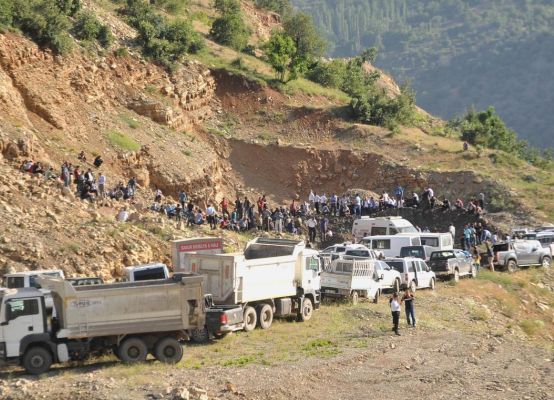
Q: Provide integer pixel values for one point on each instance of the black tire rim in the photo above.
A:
(37, 361)
(133, 352)
(169, 351)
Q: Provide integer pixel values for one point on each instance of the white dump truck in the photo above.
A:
(351, 279)
(272, 277)
(128, 319)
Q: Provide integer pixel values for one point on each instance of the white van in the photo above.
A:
(390, 245)
(367, 226)
(439, 241)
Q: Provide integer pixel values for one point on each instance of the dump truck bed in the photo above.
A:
(125, 308)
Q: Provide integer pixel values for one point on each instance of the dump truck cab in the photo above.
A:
(23, 321)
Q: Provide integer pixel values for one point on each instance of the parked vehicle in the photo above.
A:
(29, 279)
(146, 272)
(452, 264)
(423, 252)
(366, 226)
(390, 245)
(352, 279)
(85, 281)
(439, 241)
(272, 277)
(520, 253)
(334, 251)
(129, 319)
(546, 238)
(414, 273)
(388, 277)
(359, 251)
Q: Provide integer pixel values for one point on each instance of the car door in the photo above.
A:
(524, 253)
(464, 262)
(424, 277)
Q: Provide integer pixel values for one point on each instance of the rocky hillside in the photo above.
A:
(205, 127)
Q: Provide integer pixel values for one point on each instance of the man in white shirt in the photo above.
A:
(101, 185)
(395, 310)
(311, 224)
(311, 197)
(210, 213)
(317, 201)
(123, 215)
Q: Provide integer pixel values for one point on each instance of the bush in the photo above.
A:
(328, 74)
(6, 12)
(281, 7)
(87, 26)
(105, 36)
(230, 29)
(172, 6)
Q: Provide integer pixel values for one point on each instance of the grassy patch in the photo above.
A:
(310, 88)
(131, 122)
(499, 278)
(121, 140)
(531, 326)
(240, 361)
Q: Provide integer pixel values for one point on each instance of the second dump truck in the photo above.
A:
(272, 277)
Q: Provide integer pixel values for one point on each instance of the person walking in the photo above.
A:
(408, 300)
(490, 255)
(395, 311)
(210, 212)
(101, 185)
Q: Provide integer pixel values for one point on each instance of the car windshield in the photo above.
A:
(33, 278)
(416, 252)
(357, 253)
(442, 255)
(406, 229)
(396, 265)
(15, 282)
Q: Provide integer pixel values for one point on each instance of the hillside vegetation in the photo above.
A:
(457, 53)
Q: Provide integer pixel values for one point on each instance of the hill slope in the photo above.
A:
(456, 53)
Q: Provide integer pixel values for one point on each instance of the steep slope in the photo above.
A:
(456, 53)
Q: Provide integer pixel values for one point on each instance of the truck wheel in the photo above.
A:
(307, 310)
(265, 316)
(354, 297)
(37, 360)
(456, 276)
(413, 286)
(200, 335)
(396, 286)
(546, 261)
(168, 350)
(432, 284)
(250, 319)
(376, 298)
(511, 266)
(132, 350)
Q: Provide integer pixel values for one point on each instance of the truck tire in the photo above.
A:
(307, 310)
(413, 286)
(456, 276)
(168, 350)
(354, 297)
(265, 316)
(132, 350)
(396, 286)
(37, 360)
(250, 319)
(200, 335)
(511, 266)
(546, 262)
(432, 284)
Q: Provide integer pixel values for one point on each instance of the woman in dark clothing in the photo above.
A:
(408, 300)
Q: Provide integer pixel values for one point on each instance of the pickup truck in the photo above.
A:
(452, 264)
(350, 279)
(521, 253)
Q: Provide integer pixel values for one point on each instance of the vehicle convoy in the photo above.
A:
(352, 279)
(414, 273)
(128, 319)
(452, 264)
(520, 253)
(366, 226)
(390, 245)
(29, 279)
(272, 277)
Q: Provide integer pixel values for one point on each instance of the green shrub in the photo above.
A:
(87, 26)
(281, 7)
(328, 74)
(230, 29)
(172, 6)
(6, 12)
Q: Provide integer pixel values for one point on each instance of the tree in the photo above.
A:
(300, 27)
(280, 52)
(230, 29)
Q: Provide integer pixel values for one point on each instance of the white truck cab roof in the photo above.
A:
(37, 272)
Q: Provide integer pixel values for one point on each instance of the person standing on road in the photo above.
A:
(395, 310)
(408, 300)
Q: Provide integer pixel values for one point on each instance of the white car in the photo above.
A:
(388, 277)
(359, 252)
(414, 273)
(335, 250)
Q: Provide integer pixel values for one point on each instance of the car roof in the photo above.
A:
(356, 246)
(37, 272)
